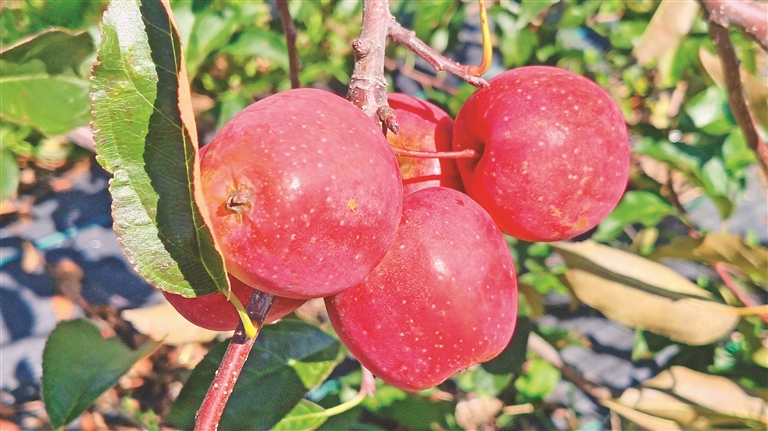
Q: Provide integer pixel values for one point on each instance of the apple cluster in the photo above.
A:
(307, 199)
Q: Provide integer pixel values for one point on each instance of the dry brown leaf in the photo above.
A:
(687, 320)
(667, 406)
(673, 20)
(646, 421)
(474, 412)
(715, 393)
(164, 324)
(640, 293)
(628, 268)
(719, 247)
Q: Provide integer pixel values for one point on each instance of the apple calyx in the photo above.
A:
(238, 201)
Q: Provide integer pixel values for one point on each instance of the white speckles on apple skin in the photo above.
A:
(562, 156)
(299, 213)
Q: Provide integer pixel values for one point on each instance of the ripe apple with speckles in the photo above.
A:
(554, 152)
(424, 127)
(304, 194)
(443, 299)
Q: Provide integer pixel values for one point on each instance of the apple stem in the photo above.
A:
(485, 64)
(464, 154)
(209, 414)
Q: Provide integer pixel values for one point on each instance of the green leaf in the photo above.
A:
(635, 207)
(79, 365)
(210, 32)
(260, 43)
(61, 50)
(429, 15)
(54, 104)
(511, 359)
(288, 359)
(305, 416)
(710, 111)
(145, 136)
(540, 379)
(702, 167)
(531, 9)
(9, 174)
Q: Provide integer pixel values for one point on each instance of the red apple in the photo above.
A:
(215, 312)
(555, 152)
(304, 194)
(423, 127)
(444, 297)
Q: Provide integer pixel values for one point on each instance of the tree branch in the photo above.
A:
(722, 40)
(368, 86)
(749, 16)
(408, 39)
(290, 39)
(209, 414)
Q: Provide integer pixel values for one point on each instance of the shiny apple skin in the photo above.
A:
(304, 193)
(423, 127)
(555, 152)
(215, 312)
(443, 299)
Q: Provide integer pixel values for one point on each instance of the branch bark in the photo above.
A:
(722, 40)
(749, 16)
(290, 39)
(368, 86)
(209, 414)
(408, 39)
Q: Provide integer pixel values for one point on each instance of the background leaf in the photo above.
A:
(54, 104)
(9, 174)
(288, 359)
(643, 294)
(719, 247)
(298, 420)
(637, 206)
(79, 365)
(61, 50)
(153, 156)
(696, 400)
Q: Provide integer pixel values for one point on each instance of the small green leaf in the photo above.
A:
(305, 416)
(540, 379)
(61, 50)
(260, 43)
(710, 112)
(636, 206)
(145, 135)
(79, 365)
(288, 359)
(9, 174)
(54, 104)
